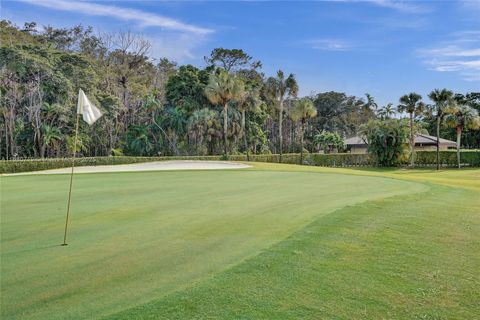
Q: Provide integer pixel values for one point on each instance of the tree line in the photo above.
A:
(157, 107)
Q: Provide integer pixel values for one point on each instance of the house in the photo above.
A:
(422, 142)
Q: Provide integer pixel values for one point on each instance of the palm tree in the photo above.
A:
(223, 88)
(387, 111)
(462, 117)
(411, 104)
(138, 141)
(248, 101)
(202, 124)
(443, 100)
(280, 88)
(54, 113)
(371, 104)
(51, 136)
(151, 104)
(303, 109)
(175, 122)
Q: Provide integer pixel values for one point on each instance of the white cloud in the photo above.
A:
(467, 36)
(178, 47)
(417, 22)
(472, 76)
(470, 4)
(460, 54)
(455, 65)
(451, 51)
(329, 44)
(177, 41)
(144, 19)
(403, 6)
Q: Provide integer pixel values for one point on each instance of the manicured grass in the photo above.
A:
(274, 241)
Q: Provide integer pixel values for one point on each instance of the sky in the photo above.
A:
(384, 47)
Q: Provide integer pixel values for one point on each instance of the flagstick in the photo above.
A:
(71, 180)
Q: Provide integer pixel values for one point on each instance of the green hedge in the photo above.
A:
(423, 159)
(290, 158)
(341, 160)
(448, 158)
(15, 166)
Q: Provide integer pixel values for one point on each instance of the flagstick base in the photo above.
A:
(64, 244)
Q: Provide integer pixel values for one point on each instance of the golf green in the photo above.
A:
(226, 244)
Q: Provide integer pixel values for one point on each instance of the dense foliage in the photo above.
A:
(387, 140)
(156, 107)
(150, 108)
(329, 141)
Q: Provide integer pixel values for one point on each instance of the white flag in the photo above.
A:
(89, 112)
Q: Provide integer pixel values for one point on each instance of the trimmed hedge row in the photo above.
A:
(289, 158)
(341, 160)
(15, 166)
(423, 158)
(448, 158)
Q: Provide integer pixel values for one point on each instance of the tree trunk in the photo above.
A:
(11, 127)
(6, 141)
(280, 137)
(245, 142)
(225, 127)
(412, 143)
(43, 149)
(438, 141)
(459, 136)
(174, 143)
(301, 141)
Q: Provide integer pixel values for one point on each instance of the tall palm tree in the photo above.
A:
(248, 101)
(443, 100)
(223, 88)
(303, 110)
(281, 88)
(371, 104)
(462, 117)
(411, 104)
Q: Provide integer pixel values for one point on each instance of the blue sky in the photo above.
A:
(386, 48)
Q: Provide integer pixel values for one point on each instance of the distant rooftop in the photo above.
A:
(420, 139)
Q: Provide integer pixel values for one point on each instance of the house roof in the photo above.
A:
(427, 139)
(420, 139)
(354, 141)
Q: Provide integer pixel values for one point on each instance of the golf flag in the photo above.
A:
(89, 112)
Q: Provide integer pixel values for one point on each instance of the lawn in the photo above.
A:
(273, 241)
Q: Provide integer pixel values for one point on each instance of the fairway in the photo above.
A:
(265, 242)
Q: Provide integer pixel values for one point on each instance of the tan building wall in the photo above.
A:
(430, 148)
(358, 149)
(417, 148)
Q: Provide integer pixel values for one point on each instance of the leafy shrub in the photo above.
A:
(387, 140)
(329, 141)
